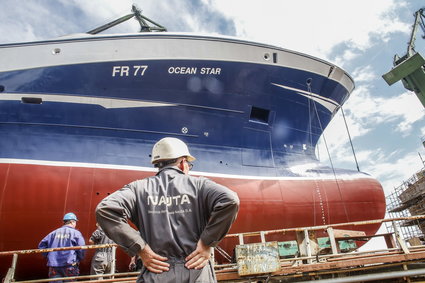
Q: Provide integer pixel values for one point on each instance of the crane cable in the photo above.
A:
(351, 142)
(327, 149)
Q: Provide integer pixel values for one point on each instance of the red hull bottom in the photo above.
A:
(35, 197)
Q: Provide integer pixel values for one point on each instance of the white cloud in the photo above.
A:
(347, 56)
(390, 168)
(363, 74)
(403, 110)
(364, 114)
(312, 26)
(392, 172)
(336, 134)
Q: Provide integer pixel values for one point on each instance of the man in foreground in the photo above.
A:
(180, 218)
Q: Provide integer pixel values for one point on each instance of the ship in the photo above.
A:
(79, 116)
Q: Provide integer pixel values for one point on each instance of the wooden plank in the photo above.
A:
(340, 233)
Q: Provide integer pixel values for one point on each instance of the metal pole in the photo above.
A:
(10, 276)
(263, 238)
(240, 239)
(14, 261)
(36, 251)
(420, 156)
(307, 245)
(411, 44)
(372, 277)
(399, 238)
(114, 251)
(111, 24)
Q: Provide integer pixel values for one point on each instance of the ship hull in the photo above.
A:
(79, 116)
(35, 196)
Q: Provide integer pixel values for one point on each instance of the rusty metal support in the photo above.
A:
(125, 276)
(36, 251)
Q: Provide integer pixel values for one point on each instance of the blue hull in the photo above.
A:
(241, 118)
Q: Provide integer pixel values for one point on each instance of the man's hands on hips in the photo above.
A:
(200, 257)
(153, 261)
(157, 264)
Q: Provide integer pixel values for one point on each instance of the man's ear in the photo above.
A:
(181, 165)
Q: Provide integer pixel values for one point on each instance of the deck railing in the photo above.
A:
(397, 246)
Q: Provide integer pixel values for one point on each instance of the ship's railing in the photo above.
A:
(398, 252)
(112, 275)
(303, 233)
(330, 231)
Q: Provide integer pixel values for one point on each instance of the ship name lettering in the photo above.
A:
(210, 71)
(126, 71)
(183, 70)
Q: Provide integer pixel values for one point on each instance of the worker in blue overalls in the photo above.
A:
(64, 263)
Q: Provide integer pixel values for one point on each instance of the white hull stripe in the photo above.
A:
(104, 102)
(313, 177)
(326, 102)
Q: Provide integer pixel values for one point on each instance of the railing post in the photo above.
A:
(10, 276)
(307, 245)
(263, 237)
(332, 240)
(14, 261)
(399, 238)
(240, 239)
(114, 260)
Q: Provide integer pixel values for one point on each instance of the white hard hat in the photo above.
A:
(170, 148)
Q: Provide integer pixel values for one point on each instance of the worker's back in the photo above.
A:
(174, 213)
(174, 208)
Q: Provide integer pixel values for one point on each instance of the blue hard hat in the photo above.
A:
(70, 216)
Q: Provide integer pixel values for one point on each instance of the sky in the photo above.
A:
(386, 123)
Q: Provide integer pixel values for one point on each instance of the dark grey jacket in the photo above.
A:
(171, 210)
(99, 238)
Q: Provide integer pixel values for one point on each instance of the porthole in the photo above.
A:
(56, 51)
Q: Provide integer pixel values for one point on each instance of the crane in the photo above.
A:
(410, 68)
(135, 13)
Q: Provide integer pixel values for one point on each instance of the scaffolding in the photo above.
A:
(408, 199)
